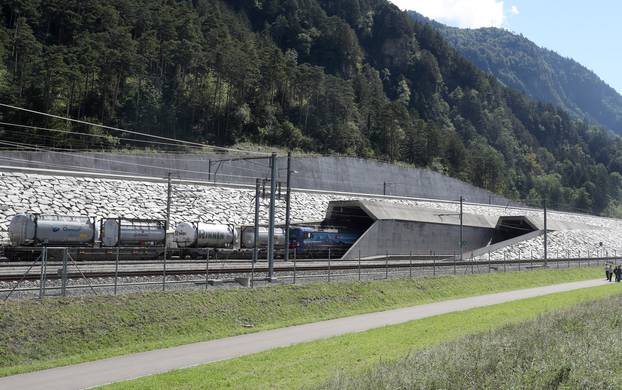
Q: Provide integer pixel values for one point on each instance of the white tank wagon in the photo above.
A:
(248, 237)
(132, 232)
(35, 230)
(204, 235)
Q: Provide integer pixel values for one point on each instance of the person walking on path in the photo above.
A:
(608, 271)
(618, 272)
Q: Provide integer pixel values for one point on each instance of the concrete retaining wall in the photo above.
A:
(403, 238)
(322, 173)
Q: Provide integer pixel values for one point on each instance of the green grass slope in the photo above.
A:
(311, 364)
(577, 348)
(60, 331)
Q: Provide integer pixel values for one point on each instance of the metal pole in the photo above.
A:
(455, 262)
(253, 274)
(167, 225)
(472, 262)
(164, 271)
(209, 170)
(294, 265)
(386, 266)
(256, 226)
(504, 260)
(329, 265)
(545, 236)
(45, 271)
(206, 269)
(472, 269)
(287, 203)
(461, 229)
(169, 191)
(384, 188)
(434, 266)
(271, 216)
(116, 271)
(359, 265)
(410, 269)
(64, 276)
(489, 265)
(44, 256)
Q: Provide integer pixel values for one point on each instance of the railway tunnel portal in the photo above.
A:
(398, 229)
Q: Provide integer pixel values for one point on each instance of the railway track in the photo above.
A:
(55, 270)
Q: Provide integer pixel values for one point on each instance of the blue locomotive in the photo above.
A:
(312, 242)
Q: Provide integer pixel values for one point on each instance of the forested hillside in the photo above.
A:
(542, 74)
(356, 77)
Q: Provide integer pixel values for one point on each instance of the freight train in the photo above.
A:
(148, 239)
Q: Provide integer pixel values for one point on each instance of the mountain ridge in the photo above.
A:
(354, 77)
(541, 73)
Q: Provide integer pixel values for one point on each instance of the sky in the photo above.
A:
(588, 32)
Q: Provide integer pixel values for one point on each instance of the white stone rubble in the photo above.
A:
(88, 196)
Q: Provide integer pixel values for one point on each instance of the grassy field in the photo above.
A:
(311, 364)
(576, 349)
(60, 331)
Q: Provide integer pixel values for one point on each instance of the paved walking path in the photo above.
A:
(132, 366)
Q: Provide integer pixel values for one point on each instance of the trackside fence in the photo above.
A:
(54, 272)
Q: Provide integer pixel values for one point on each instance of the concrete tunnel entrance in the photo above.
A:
(352, 218)
(511, 227)
(399, 229)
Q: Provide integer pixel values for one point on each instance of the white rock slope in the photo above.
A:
(91, 196)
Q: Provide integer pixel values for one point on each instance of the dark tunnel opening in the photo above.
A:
(351, 218)
(511, 227)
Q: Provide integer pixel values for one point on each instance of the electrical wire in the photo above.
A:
(39, 148)
(86, 169)
(95, 135)
(128, 131)
(254, 171)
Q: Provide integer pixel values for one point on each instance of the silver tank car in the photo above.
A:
(32, 229)
(203, 235)
(248, 237)
(132, 232)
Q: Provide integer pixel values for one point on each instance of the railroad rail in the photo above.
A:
(11, 272)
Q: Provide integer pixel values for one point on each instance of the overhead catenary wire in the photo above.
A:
(50, 149)
(95, 135)
(38, 147)
(220, 164)
(128, 131)
(29, 127)
(47, 164)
